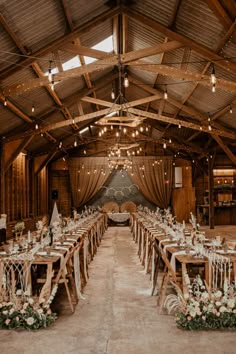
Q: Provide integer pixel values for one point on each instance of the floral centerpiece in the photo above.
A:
(19, 226)
(24, 312)
(202, 310)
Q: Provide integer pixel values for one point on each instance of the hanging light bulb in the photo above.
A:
(147, 129)
(165, 94)
(179, 125)
(136, 133)
(209, 127)
(111, 127)
(213, 75)
(200, 127)
(126, 80)
(170, 141)
(133, 135)
(125, 130)
(60, 144)
(33, 108)
(50, 71)
(213, 89)
(5, 102)
(117, 134)
(164, 145)
(75, 143)
(36, 126)
(230, 109)
(73, 120)
(84, 152)
(141, 129)
(113, 94)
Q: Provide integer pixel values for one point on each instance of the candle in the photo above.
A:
(29, 238)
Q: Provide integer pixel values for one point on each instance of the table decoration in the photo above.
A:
(202, 310)
(24, 312)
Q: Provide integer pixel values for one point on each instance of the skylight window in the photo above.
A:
(106, 46)
(72, 63)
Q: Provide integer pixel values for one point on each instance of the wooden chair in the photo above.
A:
(64, 275)
(169, 277)
(129, 207)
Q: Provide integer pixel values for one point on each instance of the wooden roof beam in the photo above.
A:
(15, 153)
(60, 42)
(96, 66)
(225, 148)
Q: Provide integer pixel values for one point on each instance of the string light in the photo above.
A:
(84, 152)
(75, 143)
(113, 94)
(213, 75)
(33, 108)
(213, 89)
(164, 146)
(230, 109)
(36, 126)
(200, 127)
(126, 80)
(170, 141)
(179, 125)
(165, 94)
(5, 101)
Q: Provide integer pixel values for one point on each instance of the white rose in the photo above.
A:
(205, 295)
(5, 312)
(11, 311)
(19, 292)
(31, 301)
(30, 321)
(192, 313)
(222, 309)
(218, 303)
(40, 311)
(231, 303)
(218, 294)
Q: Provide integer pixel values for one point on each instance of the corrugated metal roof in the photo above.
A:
(161, 11)
(36, 22)
(196, 21)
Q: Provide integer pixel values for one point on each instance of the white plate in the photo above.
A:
(226, 252)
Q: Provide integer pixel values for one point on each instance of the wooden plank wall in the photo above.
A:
(20, 204)
(60, 182)
(183, 199)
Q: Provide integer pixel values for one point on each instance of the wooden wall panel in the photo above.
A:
(60, 181)
(183, 199)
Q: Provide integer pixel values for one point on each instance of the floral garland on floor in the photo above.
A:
(202, 310)
(26, 313)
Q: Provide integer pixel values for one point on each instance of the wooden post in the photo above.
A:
(211, 193)
(2, 181)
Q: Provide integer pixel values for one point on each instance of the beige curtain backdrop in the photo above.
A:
(87, 176)
(154, 177)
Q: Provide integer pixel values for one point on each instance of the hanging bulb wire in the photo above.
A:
(213, 75)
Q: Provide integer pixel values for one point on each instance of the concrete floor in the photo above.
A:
(118, 316)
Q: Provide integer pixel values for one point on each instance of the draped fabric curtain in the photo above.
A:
(87, 176)
(154, 177)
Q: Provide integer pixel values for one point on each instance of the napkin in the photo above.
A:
(169, 245)
(61, 248)
(225, 252)
(2, 253)
(166, 239)
(179, 253)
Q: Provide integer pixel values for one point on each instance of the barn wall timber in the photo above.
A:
(25, 195)
(60, 182)
(183, 199)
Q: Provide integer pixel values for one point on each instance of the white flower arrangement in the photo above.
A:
(203, 310)
(26, 313)
(19, 226)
